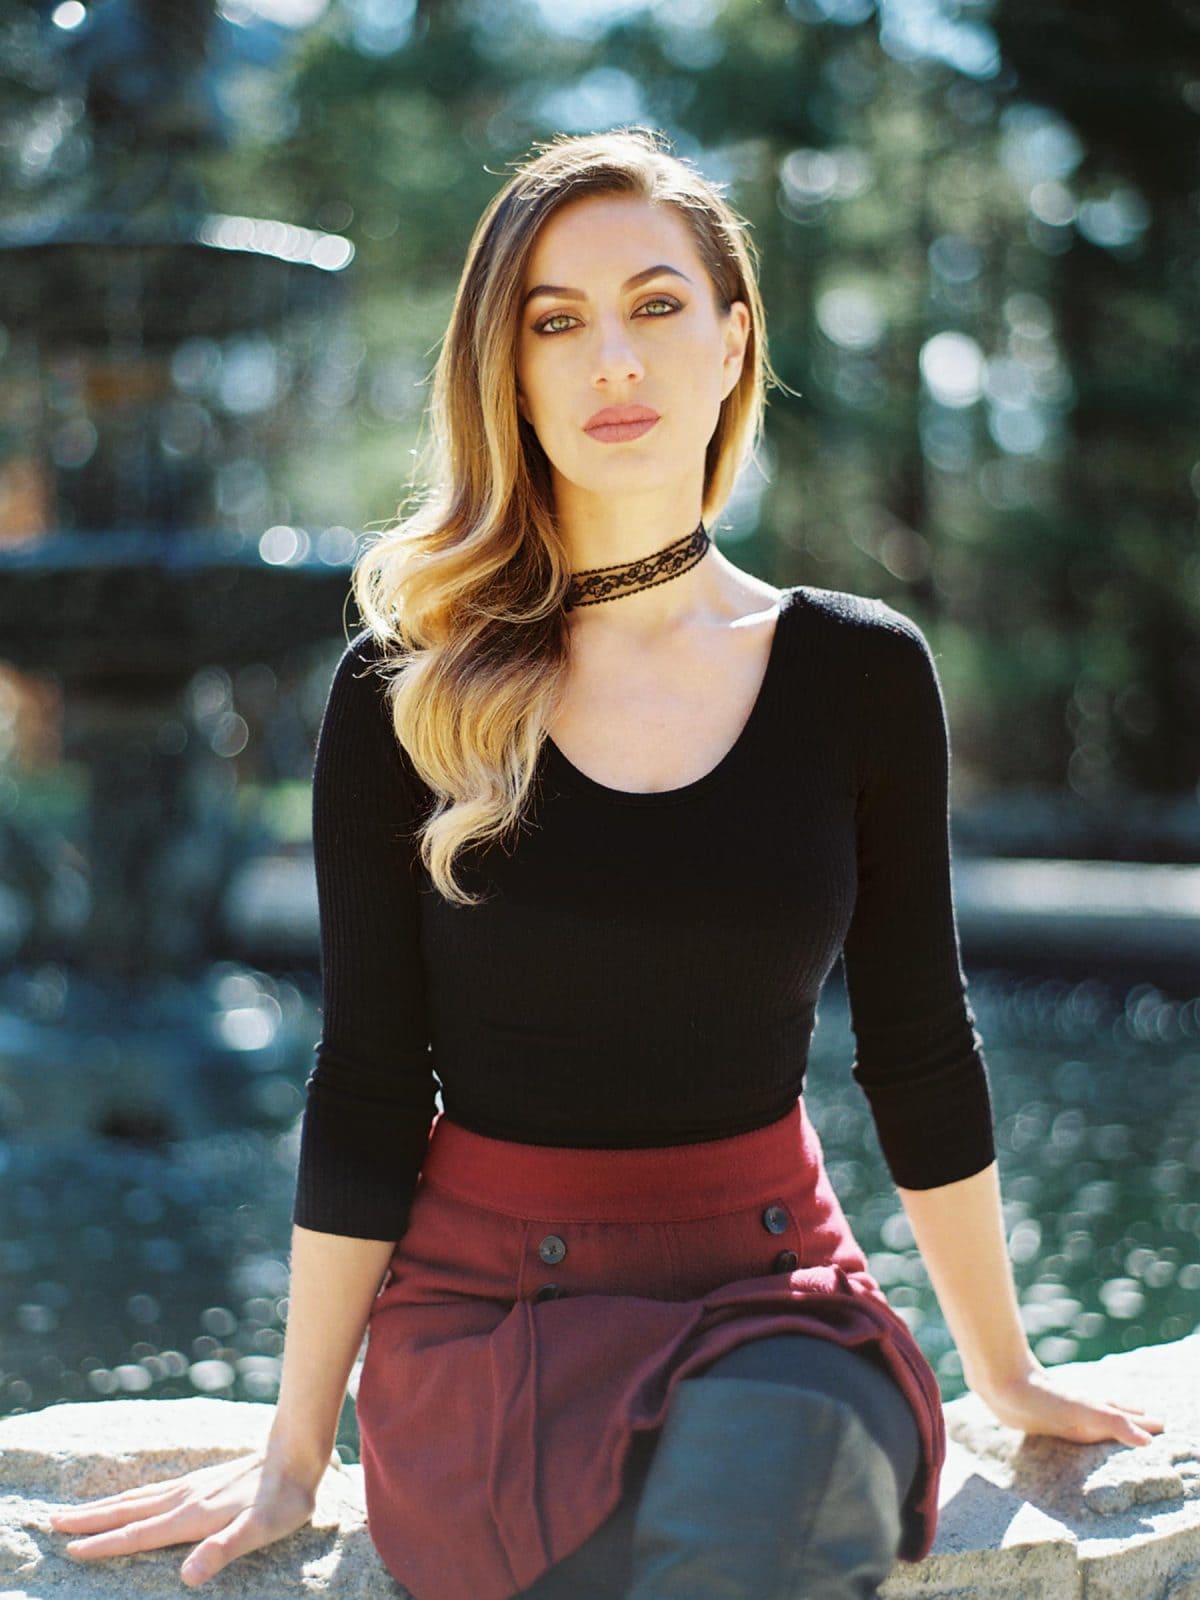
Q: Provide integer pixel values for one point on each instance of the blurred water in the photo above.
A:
(127, 1271)
(1096, 1097)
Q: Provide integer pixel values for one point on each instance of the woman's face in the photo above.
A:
(629, 320)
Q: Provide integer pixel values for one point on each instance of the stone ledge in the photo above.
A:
(1034, 1518)
(1020, 1518)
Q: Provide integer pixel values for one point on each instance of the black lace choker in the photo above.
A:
(589, 588)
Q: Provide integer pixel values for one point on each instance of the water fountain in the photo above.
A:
(149, 350)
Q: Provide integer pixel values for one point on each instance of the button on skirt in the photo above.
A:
(544, 1301)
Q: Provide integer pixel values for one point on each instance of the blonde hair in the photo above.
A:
(465, 596)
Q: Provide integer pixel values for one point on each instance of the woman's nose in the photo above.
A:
(615, 356)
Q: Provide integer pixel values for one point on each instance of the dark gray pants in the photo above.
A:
(600, 1568)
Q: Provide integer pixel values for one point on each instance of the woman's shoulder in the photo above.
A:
(861, 621)
(876, 655)
(355, 682)
(366, 648)
(358, 690)
(367, 659)
(359, 698)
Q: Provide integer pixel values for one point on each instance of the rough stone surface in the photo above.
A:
(1185, 1585)
(1032, 1517)
(1021, 1518)
(67, 1453)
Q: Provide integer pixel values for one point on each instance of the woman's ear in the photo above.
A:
(737, 337)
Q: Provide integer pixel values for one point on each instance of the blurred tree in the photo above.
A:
(1125, 79)
(1127, 579)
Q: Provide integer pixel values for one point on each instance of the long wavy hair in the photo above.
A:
(465, 595)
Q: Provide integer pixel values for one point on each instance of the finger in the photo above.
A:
(1146, 1418)
(1089, 1421)
(102, 1515)
(85, 1508)
(144, 1533)
(141, 1493)
(1126, 1429)
(1141, 1421)
(242, 1534)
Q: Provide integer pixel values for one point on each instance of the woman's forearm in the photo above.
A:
(959, 1230)
(334, 1281)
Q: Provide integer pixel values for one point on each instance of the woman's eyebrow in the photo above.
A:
(560, 293)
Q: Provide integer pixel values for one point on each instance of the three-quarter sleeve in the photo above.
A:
(370, 1095)
(919, 1057)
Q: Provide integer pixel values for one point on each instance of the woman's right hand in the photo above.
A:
(232, 1507)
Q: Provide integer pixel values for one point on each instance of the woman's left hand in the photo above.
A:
(1039, 1402)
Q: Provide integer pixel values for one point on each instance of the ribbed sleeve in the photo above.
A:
(919, 1057)
(370, 1096)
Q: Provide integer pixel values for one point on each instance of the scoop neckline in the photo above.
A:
(580, 780)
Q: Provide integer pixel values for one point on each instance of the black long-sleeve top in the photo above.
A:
(647, 966)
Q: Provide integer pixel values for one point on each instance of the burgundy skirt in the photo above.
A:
(541, 1306)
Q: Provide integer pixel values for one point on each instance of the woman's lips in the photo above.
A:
(615, 432)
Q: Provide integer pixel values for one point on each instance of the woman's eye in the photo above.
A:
(544, 325)
(557, 316)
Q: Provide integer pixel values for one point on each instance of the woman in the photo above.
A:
(595, 813)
